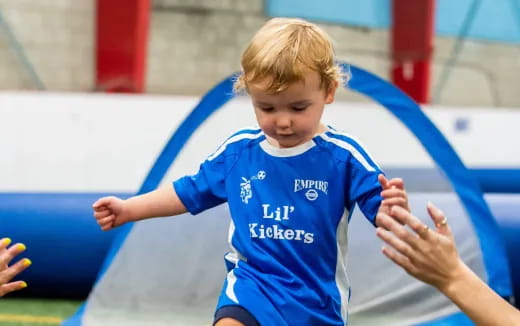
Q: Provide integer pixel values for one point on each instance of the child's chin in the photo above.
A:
(288, 143)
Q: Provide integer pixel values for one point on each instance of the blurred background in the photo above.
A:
(184, 47)
(59, 59)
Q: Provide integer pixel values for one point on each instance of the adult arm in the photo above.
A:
(431, 256)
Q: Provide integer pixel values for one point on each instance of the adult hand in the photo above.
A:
(429, 255)
(7, 273)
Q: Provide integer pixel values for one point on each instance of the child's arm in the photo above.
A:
(394, 194)
(111, 212)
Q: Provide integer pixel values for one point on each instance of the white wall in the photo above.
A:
(82, 142)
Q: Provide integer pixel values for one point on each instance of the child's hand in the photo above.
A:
(393, 194)
(110, 212)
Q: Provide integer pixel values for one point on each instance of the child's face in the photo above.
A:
(291, 117)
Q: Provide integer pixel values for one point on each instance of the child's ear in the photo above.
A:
(331, 93)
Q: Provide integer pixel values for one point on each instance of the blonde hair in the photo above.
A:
(284, 50)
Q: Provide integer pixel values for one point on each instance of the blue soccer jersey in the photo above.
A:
(289, 215)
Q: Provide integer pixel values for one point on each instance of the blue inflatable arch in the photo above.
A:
(411, 115)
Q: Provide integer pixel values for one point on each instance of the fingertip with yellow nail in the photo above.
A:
(27, 262)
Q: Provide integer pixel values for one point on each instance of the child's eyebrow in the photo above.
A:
(295, 103)
(262, 103)
(301, 102)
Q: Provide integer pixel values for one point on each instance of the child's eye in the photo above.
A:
(266, 109)
(299, 108)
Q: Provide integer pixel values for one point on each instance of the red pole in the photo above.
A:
(412, 46)
(121, 43)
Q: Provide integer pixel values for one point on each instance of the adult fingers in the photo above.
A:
(398, 259)
(406, 218)
(397, 244)
(398, 230)
(8, 254)
(4, 243)
(8, 274)
(11, 287)
(440, 220)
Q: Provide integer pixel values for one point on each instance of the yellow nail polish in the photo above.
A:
(7, 241)
(27, 262)
(21, 246)
(23, 285)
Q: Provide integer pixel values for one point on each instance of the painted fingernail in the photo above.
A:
(21, 247)
(27, 262)
(23, 285)
(6, 241)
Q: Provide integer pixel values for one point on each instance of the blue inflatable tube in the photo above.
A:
(67, 247)
(63, 240)
(506, 209)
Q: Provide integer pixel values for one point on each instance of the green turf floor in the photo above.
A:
(14, 310)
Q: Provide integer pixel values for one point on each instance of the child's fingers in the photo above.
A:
(399, 201)
(393, 192)
(11, 287)
(383, 181)
(102, 213)
(106, 220)
(107, 223)
(396, 183)
(106, 227)
(100, 203)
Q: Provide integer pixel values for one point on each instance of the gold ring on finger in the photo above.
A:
(424, 231)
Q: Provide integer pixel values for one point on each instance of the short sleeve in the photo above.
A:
(206, 188)
(365, 190)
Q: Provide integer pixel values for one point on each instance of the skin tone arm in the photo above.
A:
(111, 212)
(7, 273)
(431, 256)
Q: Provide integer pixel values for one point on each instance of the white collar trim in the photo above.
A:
(286, 152)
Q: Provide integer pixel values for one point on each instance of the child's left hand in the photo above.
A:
(393, 194)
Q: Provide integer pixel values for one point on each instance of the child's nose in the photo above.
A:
(283, 121)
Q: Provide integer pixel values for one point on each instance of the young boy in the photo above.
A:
(291, 186)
